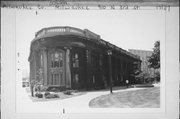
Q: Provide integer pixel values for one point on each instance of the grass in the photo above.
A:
(145, 98)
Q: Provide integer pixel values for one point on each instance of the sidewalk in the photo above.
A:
(26, 105)
(83, 101)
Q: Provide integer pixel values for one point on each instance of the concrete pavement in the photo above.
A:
(26, 105)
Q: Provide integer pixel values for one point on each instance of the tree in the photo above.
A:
(157, 76)
(144, 77)
(154, 59)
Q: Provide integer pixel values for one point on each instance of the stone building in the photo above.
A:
(71, 58)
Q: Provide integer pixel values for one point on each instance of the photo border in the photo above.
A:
(170, 58)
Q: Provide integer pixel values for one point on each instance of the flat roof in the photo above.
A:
(86, 34)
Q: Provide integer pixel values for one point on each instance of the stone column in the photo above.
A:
(68, 71)
(110, 69)
(122, 71)
(45, 66)
(101, 68)
(88, 68)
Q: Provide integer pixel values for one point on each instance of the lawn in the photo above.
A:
(144, 98)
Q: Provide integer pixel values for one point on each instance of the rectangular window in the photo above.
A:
(75, 60)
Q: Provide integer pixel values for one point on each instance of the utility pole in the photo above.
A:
(110, 69)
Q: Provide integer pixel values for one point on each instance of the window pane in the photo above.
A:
(76, 56)
(56, 56)
(52, 79)
(61, 78)
(61, 59)
(56, 64)
(76, 78)
(52, 60)
(75, 60)
(61, 55)
(41, 60)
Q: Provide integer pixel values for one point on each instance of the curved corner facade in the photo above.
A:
(71, 58)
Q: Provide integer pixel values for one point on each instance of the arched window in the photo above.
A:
(56, 60)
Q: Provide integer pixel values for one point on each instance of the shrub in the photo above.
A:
(52, 96)
(53, 89)
(46, 93)
(39, 95)
(44, 88)
(68, 92)
(56, 96)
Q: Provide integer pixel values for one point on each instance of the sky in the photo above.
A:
(127, 29)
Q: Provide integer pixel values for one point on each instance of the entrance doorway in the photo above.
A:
(56, 67)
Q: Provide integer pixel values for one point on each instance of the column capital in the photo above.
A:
(68, 47)
(109, 52)
(43, 48)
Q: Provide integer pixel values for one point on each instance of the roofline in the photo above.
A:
(87, 34)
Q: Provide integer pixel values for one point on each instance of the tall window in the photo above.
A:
(61, 59)
(56, 60)
(100, 60)
(41, 59)
(76, 78)
(75, 60)
(95, 61)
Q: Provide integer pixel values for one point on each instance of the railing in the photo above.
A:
(59, 30)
